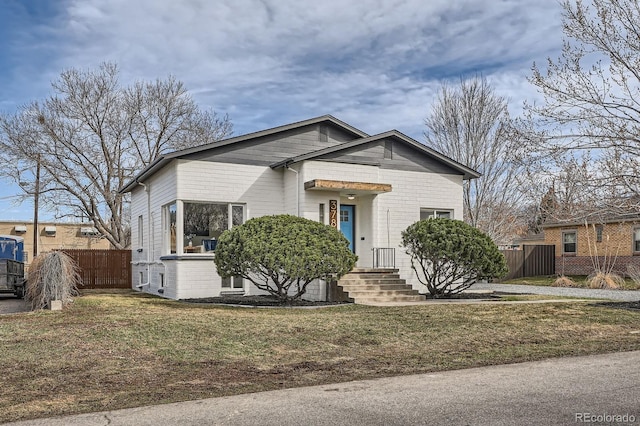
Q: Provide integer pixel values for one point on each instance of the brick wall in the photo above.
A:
(616, 248)
(584, 265)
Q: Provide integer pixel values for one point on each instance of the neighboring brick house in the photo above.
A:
(369, 187)
(614, 241)
(54, 235)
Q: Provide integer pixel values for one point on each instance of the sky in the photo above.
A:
(375, 64)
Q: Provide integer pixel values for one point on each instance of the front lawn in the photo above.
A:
(111, 351)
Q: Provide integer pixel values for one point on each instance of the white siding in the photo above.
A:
(265, 191)
(146, 259)
(260, 188)
(410, 192)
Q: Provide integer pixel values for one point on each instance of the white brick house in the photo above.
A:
(370, 187)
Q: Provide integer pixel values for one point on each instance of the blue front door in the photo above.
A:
(347, 223)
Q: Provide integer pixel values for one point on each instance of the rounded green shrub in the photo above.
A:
(282, 254)
(449, 255)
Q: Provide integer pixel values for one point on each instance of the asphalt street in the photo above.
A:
(600, 389)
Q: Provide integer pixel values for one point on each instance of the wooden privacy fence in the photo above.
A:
(103, 268)
(531, 261)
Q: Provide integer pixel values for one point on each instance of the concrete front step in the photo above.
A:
(367, 285)
(351, 277)
(399, 298)
(359, 281)
(357, 294)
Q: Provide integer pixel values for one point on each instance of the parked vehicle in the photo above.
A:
(11, 265)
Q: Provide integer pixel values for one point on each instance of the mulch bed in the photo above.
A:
(266, 300)
(261, 300)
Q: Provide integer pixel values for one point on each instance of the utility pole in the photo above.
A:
(36, 197)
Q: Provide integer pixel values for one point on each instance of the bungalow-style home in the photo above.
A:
(369, 187)
(579, 243)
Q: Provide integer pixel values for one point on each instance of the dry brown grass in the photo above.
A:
(606, 281)
(110, 351)
(563, 281)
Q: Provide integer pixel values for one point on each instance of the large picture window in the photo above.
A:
(203, 223)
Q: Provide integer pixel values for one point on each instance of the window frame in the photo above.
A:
(435, 213)
(599, 231)
(634, 241)
(575, 243)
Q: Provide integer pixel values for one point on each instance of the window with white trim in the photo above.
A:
(435, 213)
(569, 242)
(636, 240)
(169, 228)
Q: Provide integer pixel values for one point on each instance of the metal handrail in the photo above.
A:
(384, 257)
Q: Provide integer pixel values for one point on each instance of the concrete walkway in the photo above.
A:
(600, 389)
(621, 295)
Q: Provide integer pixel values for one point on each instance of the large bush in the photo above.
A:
(449, 256)
(282, 254)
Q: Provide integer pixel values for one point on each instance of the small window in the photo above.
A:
(161, 280)
(89, 231)
(636, 240)
(140, 278)
(344, 215)
(599, 233)
(321, 213)
(434, 213)
(169, 216)
(569, 240)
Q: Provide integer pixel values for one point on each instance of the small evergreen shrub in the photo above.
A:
(450, 256)
(282, 254)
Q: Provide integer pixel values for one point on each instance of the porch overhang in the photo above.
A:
(343, 186)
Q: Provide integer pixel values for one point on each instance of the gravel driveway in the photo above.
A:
(622, 295)
(10, 304)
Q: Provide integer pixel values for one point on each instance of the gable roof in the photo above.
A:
(360, 138)
(392, 134)
(166, 158)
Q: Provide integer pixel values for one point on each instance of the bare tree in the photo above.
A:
(93, 135)
(592, 98)
(469, 123)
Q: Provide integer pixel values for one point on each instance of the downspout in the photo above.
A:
(148, 262)
(286, 166)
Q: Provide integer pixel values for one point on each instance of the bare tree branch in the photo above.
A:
(91, 137)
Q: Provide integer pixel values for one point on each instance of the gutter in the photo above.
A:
(148, 262)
